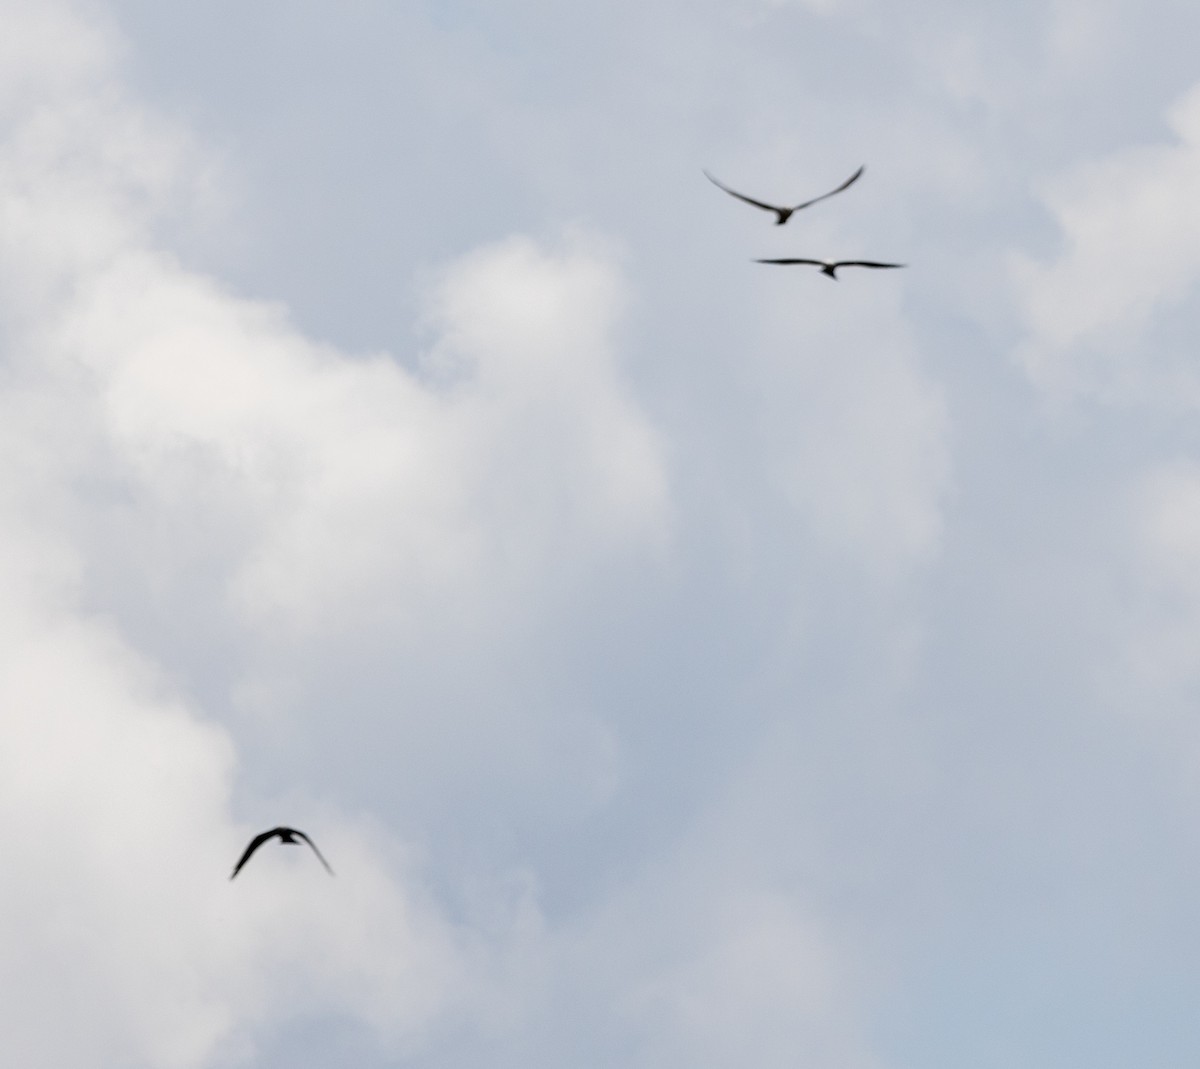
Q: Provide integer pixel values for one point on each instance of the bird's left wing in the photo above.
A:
(833, 192)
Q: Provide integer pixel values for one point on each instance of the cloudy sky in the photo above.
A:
(681, 662)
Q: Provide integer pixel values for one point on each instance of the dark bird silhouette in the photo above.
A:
(786, 213)
(286, 835)
(829, 267)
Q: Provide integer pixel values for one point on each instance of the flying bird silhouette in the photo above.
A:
(286, 835)
(829, 267)
(786, 213)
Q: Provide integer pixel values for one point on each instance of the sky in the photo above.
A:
(680, 661)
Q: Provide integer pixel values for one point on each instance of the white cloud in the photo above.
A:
(807, 412)
(1161, 623)
(817, 7)
(119, 917)
(761, 986)
(48, 51)
(354, 480)
(856, 435)
(1081, 37)
(192, 454)
(1130, 229)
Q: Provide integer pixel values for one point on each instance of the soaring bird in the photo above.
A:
(829, 267)
(786, 213)
(286, 835)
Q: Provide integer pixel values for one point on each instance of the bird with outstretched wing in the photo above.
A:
(784, 214)
(285, 835)
(829, 267)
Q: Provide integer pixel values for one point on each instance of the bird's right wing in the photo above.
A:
(320, 856)
(742, 196)
(255, 843)
(818, 263)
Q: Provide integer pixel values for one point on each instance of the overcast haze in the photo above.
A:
(680, 661)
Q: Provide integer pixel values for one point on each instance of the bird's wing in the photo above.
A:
(818, 263)
(864, 263)
(320, 857)
(255, 843)
(845, 185)
(742, 196)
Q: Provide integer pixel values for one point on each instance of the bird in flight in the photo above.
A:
(786, 213)
(286, 835)
(829, 267)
